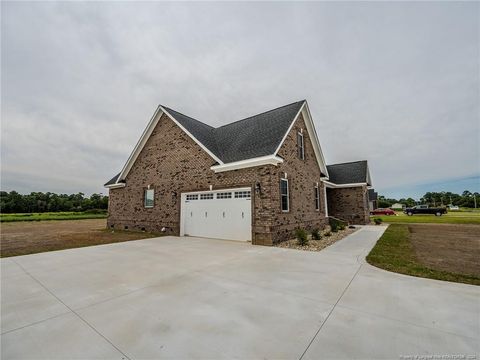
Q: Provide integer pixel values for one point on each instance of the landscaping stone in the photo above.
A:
(317, 245)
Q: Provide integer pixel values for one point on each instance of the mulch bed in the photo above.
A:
(317, 245)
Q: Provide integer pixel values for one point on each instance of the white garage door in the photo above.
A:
(221, 214)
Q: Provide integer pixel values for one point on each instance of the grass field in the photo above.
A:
(51, 216)
(452, 217)
(22, 238)
(442, 252)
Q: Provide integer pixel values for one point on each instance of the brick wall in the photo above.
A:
(172, 163)
(302, 177)
(349, 204)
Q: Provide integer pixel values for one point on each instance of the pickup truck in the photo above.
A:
(424, 209)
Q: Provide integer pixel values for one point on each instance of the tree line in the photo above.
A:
(13, 202)
(444, 198)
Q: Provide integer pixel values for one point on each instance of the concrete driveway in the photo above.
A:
(183, 298)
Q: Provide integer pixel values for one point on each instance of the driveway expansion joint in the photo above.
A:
(331, 311)
(73, 311)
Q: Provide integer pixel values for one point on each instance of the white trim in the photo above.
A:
(217, 190)
(316, 145)
(193, 137)
(326, 200)
(289, 128)
(300, 136)
(262, 160)
(288, 196)
(305, 111)
(146, 135)
(140, 144)
(332, 185)
(115, 186)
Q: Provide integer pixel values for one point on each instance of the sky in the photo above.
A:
(394, 83)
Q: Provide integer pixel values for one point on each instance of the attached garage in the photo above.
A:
(219, 214)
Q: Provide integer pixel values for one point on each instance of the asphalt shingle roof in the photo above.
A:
(348, 173)
(255, 136)
(112, 180)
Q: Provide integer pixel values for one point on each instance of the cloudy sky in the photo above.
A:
(394, 83)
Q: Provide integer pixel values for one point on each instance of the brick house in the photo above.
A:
(255, 179)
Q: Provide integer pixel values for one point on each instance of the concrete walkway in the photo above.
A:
(182, 298)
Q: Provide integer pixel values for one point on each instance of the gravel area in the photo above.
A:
(317, 245)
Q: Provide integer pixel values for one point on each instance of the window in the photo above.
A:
(225, 195)
(192, 197)
(317, 199)
(300, 146)
(284, 195)
(206, 196)
(242, 194)
(149, 198)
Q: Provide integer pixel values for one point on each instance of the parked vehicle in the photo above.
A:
(425, 209)
(453, 207)
(382, 211)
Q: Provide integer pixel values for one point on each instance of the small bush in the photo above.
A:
(301, 236)
(316, 234)
(328, 233)
(334, 227)
(377, 221)
(341, 227)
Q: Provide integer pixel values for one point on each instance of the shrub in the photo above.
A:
(341, 227)
(334, 227)
(328, 233)
(377, 221)
(301, 236)
(316, 234)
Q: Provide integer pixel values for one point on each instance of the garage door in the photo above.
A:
(222, 214)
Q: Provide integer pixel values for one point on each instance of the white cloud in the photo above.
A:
(394, 83)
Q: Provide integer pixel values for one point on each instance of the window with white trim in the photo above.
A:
(242, 194)
(300, 146)
(206, 196)
(148, 198)
(192, 197)
(317, 198)
(225, 195)
(284, 200)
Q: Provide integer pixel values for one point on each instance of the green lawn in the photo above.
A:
(394, 252)
(52, 216)
(452, 217)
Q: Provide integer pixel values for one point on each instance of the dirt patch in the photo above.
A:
(21, 238)
(317, 245)
(453, 248)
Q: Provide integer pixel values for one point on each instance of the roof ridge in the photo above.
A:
(265, 112)
(201, 122)
(349, 162)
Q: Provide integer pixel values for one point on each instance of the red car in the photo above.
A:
(382, 211)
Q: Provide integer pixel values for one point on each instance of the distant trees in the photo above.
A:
(13, 202)
(466, 199)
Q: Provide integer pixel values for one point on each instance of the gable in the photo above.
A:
(249, 142)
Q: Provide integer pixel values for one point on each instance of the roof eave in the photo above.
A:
(337, 186)
(258, 161)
